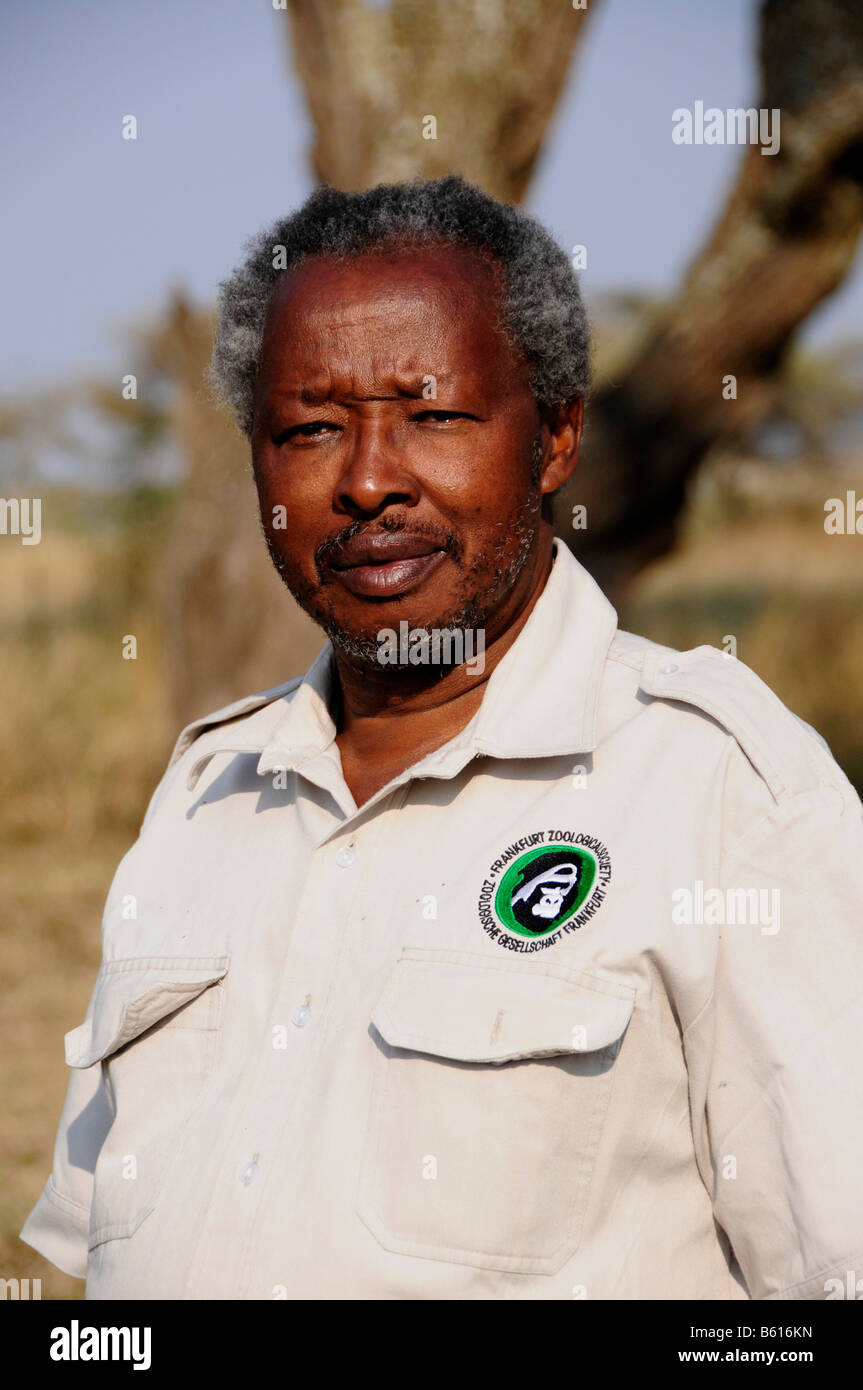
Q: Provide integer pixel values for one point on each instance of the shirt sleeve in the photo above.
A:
(775, 1054)
(59, 1223)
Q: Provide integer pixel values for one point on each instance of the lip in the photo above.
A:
(387, 565)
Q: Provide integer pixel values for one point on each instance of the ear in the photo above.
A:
(561, 438)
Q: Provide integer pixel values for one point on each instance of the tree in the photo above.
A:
(428, 87)
(784, 241)
(424, 87)
(230, 625)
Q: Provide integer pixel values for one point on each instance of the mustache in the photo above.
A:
(444, 540)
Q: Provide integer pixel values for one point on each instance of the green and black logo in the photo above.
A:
(542, 887)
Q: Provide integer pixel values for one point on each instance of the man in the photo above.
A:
(531, 977)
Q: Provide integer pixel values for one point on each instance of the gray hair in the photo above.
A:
(541, 304)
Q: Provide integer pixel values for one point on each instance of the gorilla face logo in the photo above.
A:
(553, 885)
(544, 888)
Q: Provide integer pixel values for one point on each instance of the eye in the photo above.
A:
(442, 417)
(312, 429)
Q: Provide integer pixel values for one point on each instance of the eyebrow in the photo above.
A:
(411, 387)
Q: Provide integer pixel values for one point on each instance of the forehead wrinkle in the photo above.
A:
(431, 309)
(386, 312)
(403, 380)
(446, 334)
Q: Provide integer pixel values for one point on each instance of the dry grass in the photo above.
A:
(87, 734)
(82, 744)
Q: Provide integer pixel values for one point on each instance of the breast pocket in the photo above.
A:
(490, 1089)
(153, 1029)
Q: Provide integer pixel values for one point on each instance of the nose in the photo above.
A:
(376, 472)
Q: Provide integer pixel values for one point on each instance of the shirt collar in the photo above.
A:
(540, 701)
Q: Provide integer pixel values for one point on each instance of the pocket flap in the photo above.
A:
(131, 995)
(461, 1005)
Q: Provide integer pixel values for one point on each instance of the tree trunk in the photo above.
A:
(785, 241)
(231, 627)
(488, 73)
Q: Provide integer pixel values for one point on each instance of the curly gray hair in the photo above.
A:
(541, 304)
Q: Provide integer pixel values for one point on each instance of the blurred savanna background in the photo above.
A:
(141, 146)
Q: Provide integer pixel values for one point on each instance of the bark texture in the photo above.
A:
(230, 625)
(785, 240)
(489, 73)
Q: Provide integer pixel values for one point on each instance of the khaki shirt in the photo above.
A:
(569, 1009)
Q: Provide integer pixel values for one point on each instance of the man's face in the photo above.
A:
(395, 425)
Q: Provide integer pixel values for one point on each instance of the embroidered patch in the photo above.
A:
(542, 887)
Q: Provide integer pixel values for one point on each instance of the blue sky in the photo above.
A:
(96, 229)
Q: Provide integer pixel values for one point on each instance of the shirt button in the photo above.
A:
(669, 670)
(248, 1173)
(301, 1015)
(346, 857)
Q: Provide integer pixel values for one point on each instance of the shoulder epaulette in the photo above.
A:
(786, 751)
